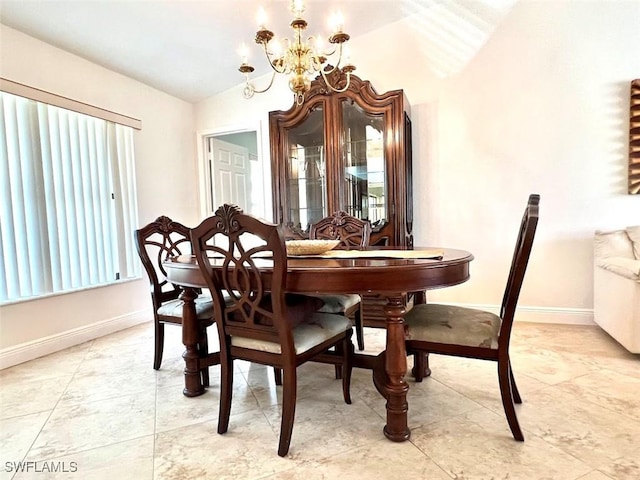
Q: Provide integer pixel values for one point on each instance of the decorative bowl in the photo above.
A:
(310, 247)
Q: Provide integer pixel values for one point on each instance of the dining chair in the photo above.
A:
(352, 233)
(246, 257)
(472, 333)
(156, 242)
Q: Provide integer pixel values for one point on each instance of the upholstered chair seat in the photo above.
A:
(449, 324)
(339, 303)
(173, 308)
(318, 328)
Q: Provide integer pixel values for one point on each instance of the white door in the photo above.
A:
(230, 174)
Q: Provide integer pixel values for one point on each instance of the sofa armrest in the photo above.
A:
(627, 267)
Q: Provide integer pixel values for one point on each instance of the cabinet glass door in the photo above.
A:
(364, 188)
(306, 193)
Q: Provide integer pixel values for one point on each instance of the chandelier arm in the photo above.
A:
(271, 61)
(273, 76)
(335, 67)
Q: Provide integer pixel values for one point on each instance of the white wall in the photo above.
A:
(542, 108)
(166, 171)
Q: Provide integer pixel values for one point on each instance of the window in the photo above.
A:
(67, 200)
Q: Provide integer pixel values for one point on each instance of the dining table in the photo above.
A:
(389, 272)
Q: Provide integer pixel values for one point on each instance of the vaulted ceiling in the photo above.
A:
(189, 48)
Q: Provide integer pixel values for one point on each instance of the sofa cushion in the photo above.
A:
(634, 235)
(614, 243)
(627, 267)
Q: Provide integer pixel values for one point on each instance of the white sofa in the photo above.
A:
(616, 285)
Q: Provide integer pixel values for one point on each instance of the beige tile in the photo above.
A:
(16, 437)
(104, 382)
(380, 459)
(594, 434)
(595, 475)
(79, 427)
(131, 459)
(313, 379)
(21, 397)
(478, 445)
(119, 355)
(59, 364)
(623, 468)
(550, 367)
(325, 426)
(174, 410)
(246, 451)
(138, 334)
(597, 388)
(431, 401)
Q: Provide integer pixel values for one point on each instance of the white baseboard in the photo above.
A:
(566, 316)
(43, 346)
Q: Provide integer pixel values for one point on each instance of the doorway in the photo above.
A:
(234, 172)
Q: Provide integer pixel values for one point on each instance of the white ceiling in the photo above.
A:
(186, 48)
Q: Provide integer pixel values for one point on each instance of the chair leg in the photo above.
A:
(338, 368)
(226, 390)
(505, 380)
(347, 355)
(277, 375)
(203, 347)
(514, 387)
(288, 409)
(420, 366)
(159, 334)
(359, 328)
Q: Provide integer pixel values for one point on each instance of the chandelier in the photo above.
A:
(299, 58)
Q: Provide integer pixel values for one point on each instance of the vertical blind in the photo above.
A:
(67, 202)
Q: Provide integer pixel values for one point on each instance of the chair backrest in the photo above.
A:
(244, 259)
(155, 242)
(351, 231)
(519, 264)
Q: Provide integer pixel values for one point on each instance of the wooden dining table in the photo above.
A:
(390, 276)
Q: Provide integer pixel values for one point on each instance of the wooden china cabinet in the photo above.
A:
(348, 151)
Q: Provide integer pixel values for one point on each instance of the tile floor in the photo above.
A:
(99, 411)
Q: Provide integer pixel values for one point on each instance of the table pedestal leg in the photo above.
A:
(190, 338)
(395, 366)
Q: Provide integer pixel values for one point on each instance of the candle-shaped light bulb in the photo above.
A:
(243, 51)
(261, 17)
(337, 22)
(297, 7)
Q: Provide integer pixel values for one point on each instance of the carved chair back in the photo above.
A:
(156, 242)
(351, 231)
(233, 250)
